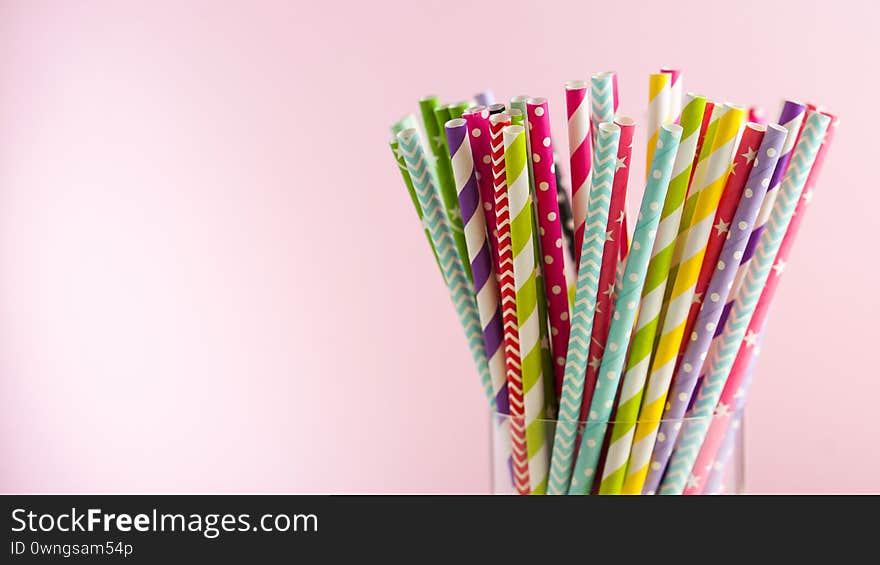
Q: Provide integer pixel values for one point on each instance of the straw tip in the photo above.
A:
(609, 127)
(536, 101)
(475, 109)
(673, 129)
(624, 121)
(513, 130)
(456, 123)
(575, 85)
(407, 134)
(756, 126)
(498, 118)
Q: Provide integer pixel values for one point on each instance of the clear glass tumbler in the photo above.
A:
(725, 474)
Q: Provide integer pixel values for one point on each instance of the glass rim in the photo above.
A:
(629, 422)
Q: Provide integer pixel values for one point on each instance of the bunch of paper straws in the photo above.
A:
(644, 352)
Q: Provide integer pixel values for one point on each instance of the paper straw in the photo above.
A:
(550, 229)
(519, 106)
(624, 232)
(625, 309)
(404, 172)
(658, 109)
(616, 90)
(434, 140)
(683, 287)
(720, 467)
(507, 288)
(477, 118)
(676, 92)
(565, 214)
(601, 100)
(723, 273)
(757, 115)
(791, 118)
(642, 340)
(516, 117)
(458, 109)
(621, 182)
(485, 98)
(526, 303)
(580, 149)
(681, 472)
(434, 117)
(480, 255)
(610, 263)
(736, 387)
(567, 221)
(584, 306)
(704, 149)
(450, 262)
(727, 206)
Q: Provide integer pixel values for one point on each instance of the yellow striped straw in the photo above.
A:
(709, 185)
(659, 94)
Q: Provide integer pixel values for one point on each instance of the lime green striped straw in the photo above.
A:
(524, 273)
(651, 302)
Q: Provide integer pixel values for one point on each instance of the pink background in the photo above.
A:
(213, 278)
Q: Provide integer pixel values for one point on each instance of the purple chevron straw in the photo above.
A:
(685, 380)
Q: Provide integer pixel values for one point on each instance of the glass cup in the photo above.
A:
(725, 474)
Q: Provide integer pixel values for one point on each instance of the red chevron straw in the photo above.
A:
(507, 290)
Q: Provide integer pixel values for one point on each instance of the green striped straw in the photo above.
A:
(640, 348)
(524, 273)
(690, 203)
(457, 110)
(625, 309)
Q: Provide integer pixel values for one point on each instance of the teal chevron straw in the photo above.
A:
(723, 353)
(604, 165)
(404, 172)
(460, 288)
(601, 100)
(625, 309)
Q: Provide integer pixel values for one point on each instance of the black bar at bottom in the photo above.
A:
(415, 529)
